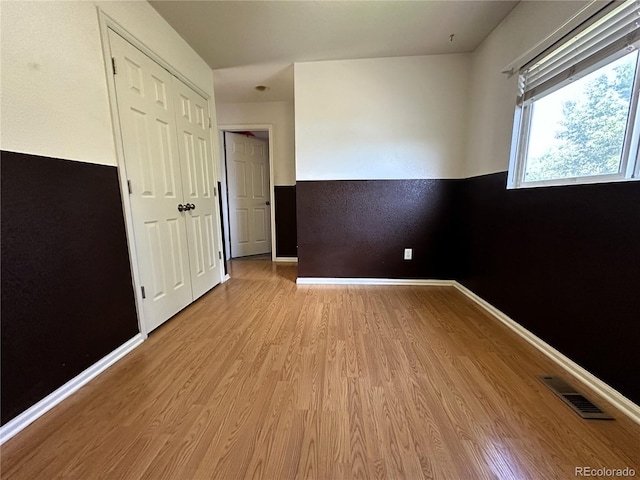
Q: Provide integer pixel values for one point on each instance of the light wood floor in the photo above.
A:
(263, 379)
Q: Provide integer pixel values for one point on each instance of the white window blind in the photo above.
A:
(614, 29)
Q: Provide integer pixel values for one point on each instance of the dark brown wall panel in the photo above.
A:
(286, 226)
(222, 227)
(67, 298)
(360, 228)
(565, 263)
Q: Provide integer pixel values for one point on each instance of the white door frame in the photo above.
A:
(107, 23)
(234, 128)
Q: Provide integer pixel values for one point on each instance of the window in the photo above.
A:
(576, 117)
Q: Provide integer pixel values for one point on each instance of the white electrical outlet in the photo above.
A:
(408, 253)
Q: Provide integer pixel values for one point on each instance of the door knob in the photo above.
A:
(267, 202)
(181, 208)
(192, 206)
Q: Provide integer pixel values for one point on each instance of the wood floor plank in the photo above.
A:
(263, 379)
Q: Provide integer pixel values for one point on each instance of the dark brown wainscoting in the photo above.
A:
(222, 227)
(565, 263)
(67, 298)
(286, 227)
(360, 228)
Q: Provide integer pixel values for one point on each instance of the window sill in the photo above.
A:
(572, 181)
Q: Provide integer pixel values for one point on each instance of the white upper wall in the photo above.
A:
(383, 118)
(280, 115)
(403, 117)
(54, 97)
(493, 94)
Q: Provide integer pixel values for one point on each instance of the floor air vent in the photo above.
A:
(578, 402)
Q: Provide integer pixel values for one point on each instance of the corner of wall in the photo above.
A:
(493, 93)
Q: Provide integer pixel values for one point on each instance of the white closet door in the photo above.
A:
(194, 143)
(147, 119)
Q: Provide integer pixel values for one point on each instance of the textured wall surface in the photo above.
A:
(360, 228)
(286, 224)
(67, 297)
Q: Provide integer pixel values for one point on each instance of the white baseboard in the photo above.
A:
(614, 397)
(373, 281)
(286, 259)
(226, 278)
(43, 406)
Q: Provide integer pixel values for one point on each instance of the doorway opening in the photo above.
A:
(247, 191)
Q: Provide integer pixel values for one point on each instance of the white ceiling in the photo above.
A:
(251, 43)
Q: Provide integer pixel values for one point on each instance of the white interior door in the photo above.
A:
(147, 120)
(194, 144)
(249, 195)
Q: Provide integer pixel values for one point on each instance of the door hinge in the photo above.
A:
(209, 122)
(113, 64)
(129, 186)
(220, 255)
(144, 295)
(215, 192)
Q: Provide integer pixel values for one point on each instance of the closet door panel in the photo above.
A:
(196, 165)
(152, 159)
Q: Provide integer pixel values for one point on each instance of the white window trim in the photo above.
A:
(630, 156)
(629, 163)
